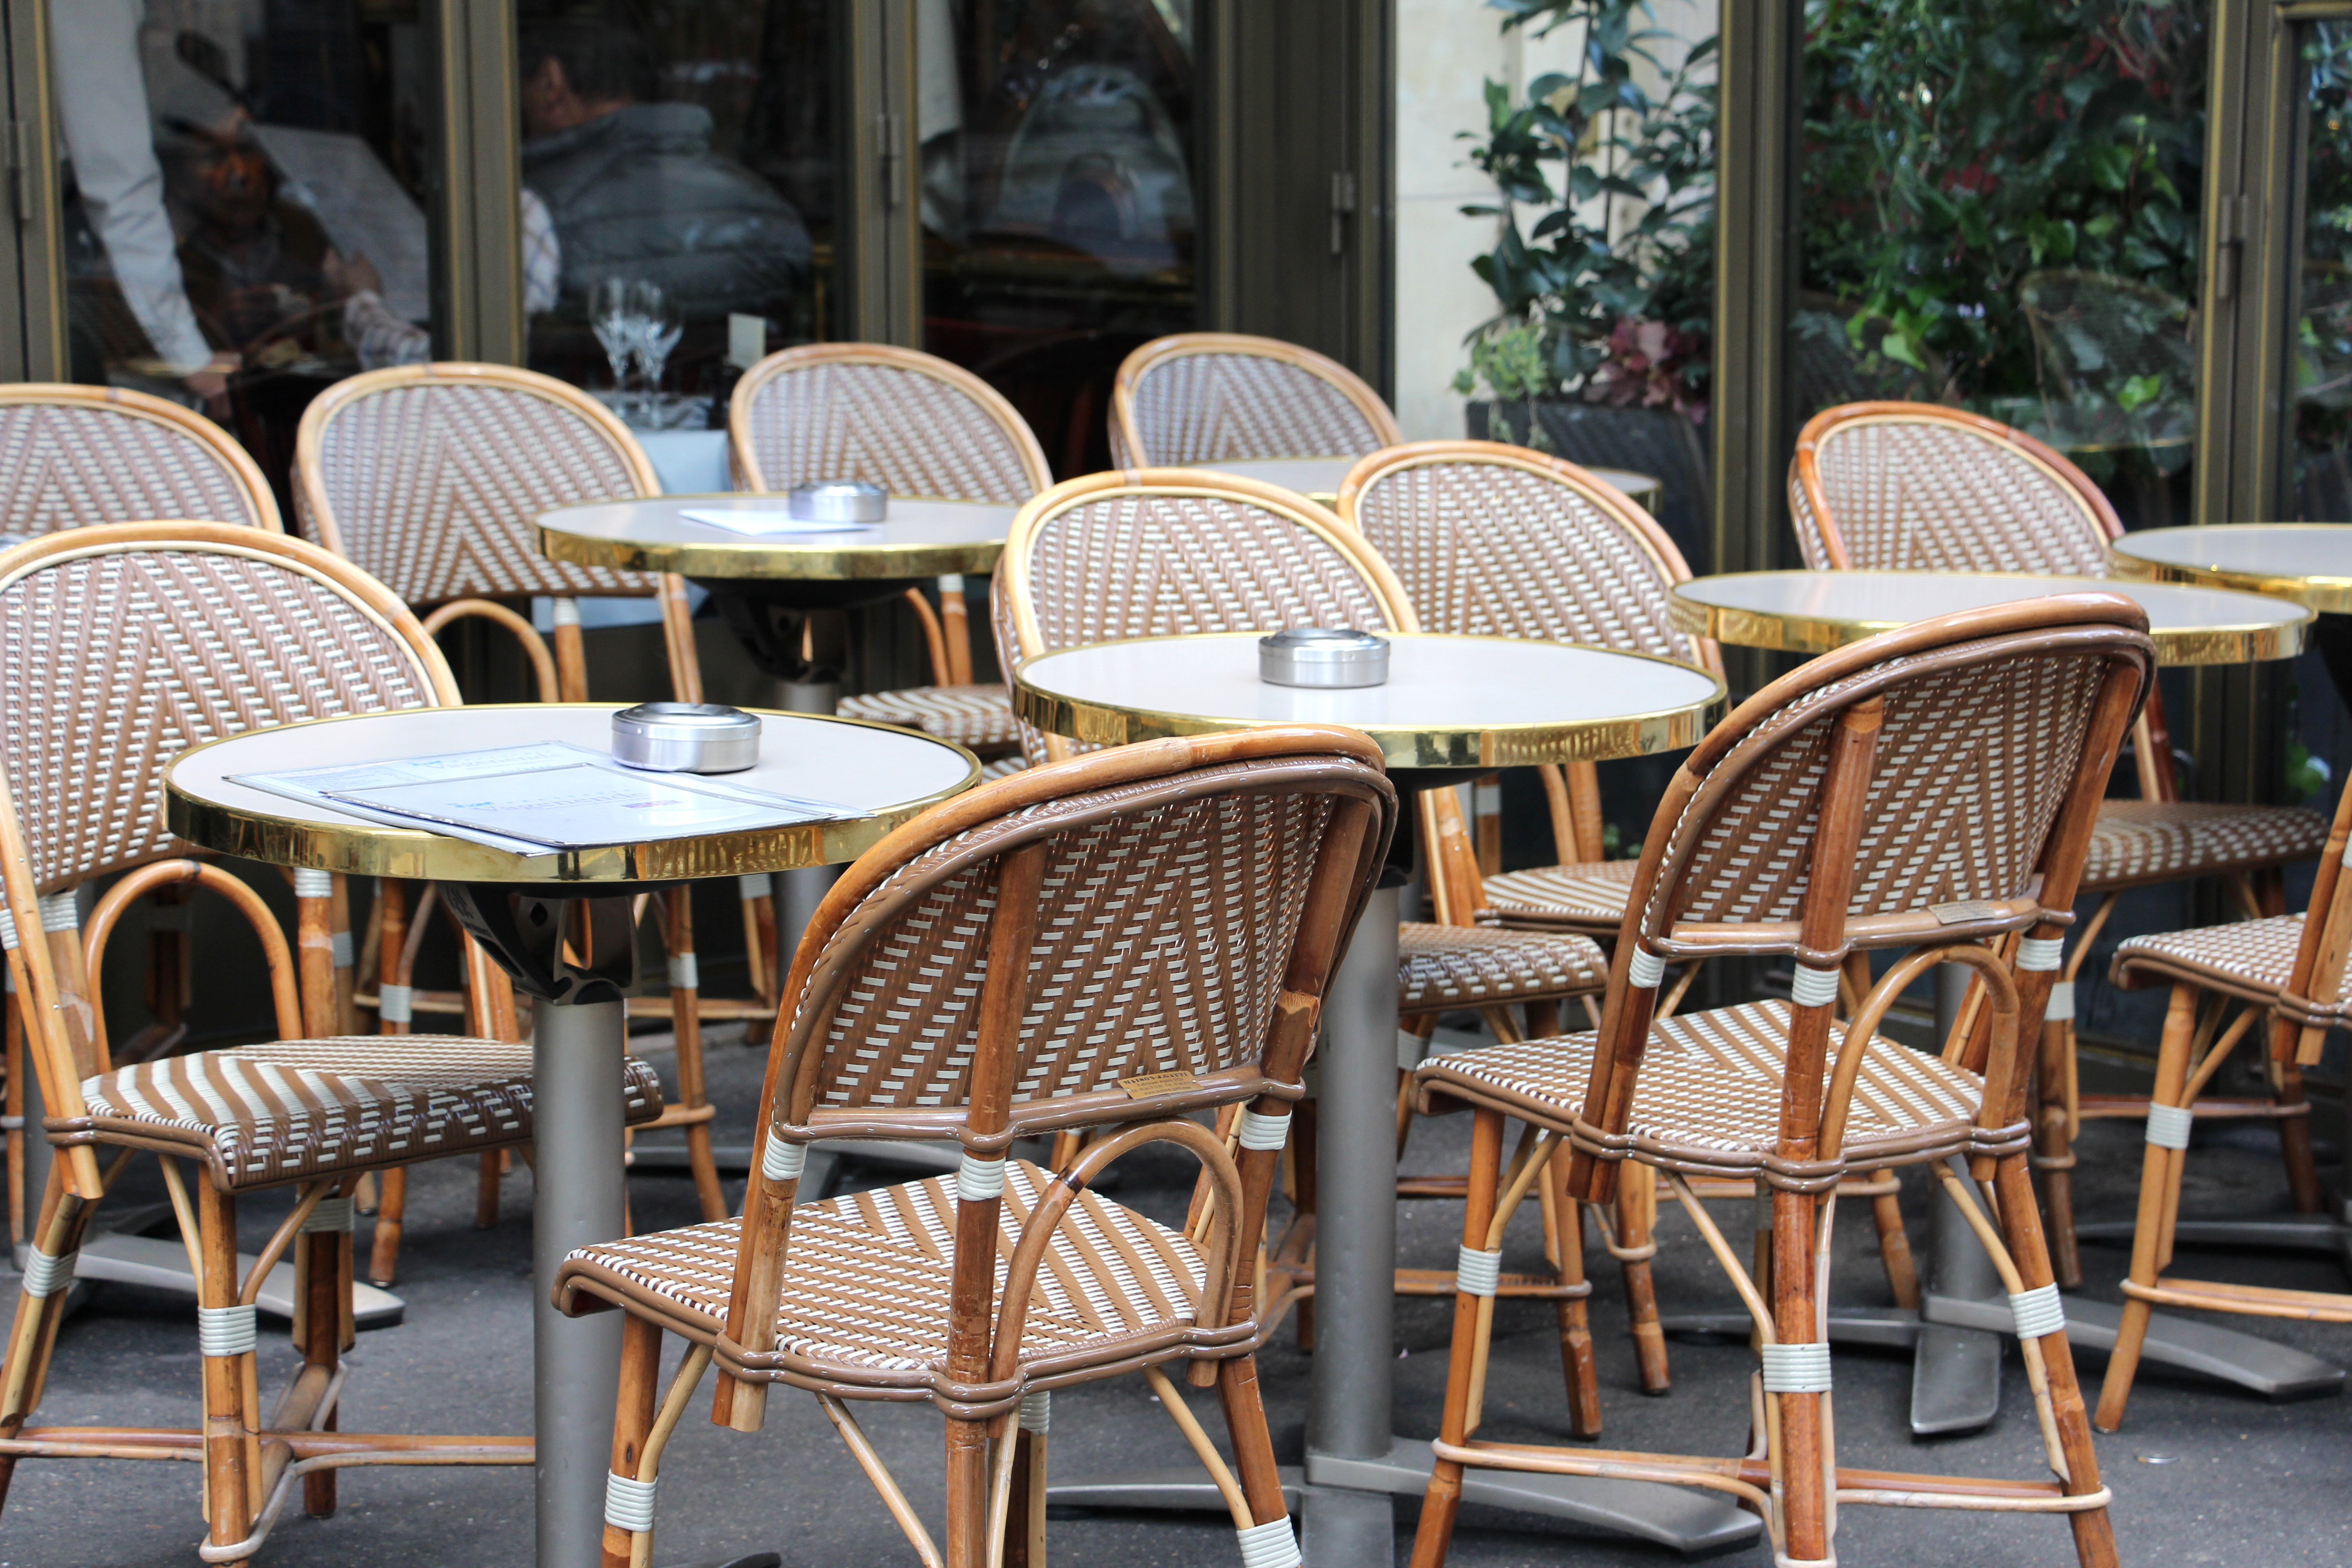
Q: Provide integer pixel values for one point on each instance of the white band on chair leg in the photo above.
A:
(311, 883)
(2167, 1125)
(395, 1004)
(7, 929)
(2040, 953)
(2037, 1312)
(1478, 1273)
(783, 1160)
(628, 1504)
(332, 1214)
(340, 945)
(683, 974)
(1813, 987)
(226, 1331)
(757, 885)
(1644, 969)
(1264, 1131)
(46, 1276)
(563, 612)
(61, 911)
(1269, 1545)
(2061, 1003)
(978, 1180)
(1797, 1369)
(1037, 1410)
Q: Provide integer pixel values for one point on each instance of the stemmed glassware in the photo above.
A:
(612, 316)
(659, 324)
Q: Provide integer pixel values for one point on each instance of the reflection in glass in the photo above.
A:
(243, 199)
(677, 194)
(2323, 364)
(1999, 211)
(1058, 201)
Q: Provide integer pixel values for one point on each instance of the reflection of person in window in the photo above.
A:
(382, 338)
(633, 187)
(259, 267)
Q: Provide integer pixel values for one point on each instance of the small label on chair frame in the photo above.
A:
(1958, 914)
(1145, 1085)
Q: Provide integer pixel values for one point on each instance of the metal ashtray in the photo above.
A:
(1323, 656)
(685, 738)
(840, 500)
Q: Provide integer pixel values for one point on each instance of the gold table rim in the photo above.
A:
(373, 850)
(748, 559)
(1795, 632)
(2320, 592)
(1402, 745)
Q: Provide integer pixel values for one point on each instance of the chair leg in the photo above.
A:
(2054, 1151)
(1261, 1479)
(231, 1472)
(57, 1232)
(390, 1217)
(1895, 1244)
(1800, 1439)
(1302, 1198)
(2295, 1142)
(632, 1422)
(967, 1468)
(1024, 1518)
(324, 1270)
(2159, 1201)
(1636, 1243)
(1443, 1498)
(686, 1020)
(486, 1175)
(1563, 1219)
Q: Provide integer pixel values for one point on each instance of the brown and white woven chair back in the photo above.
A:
(1224, 397)
(74, 455)
(1160, 553)
(1906, 487)
(430, 478)
(1497, 541)
(121, 647)
(910, 422)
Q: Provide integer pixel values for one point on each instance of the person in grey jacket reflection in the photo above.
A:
(633, 186)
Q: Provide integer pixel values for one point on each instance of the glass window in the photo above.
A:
(678, 192)
(244, 209)
(1057, 199)
(2322, 385)
(1999, 207)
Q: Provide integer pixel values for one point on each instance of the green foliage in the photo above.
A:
(2324, 346)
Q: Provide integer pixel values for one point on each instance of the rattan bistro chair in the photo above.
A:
(1919, 487)
(178, 633)
(2286, 974)
(1931, 789)
(430, 477)
(1224, 397)
(1198, 893)
(916, 425)
(71, 456)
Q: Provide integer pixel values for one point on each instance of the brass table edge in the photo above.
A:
(2322, 594)
(752, 560)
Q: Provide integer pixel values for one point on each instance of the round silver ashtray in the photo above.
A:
(840, 500)
(1327, 656)
(685, 738)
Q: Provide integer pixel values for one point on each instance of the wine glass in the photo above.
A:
(612, 316)
(661, 322)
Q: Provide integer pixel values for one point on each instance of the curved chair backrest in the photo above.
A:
(1163, 550)
(1497, 541)
(73, 456)
(1903, 486)
(1931, 786)
(1119, 940)
(912, 423)
(1224, 397)
(429, 476)
(124, 645)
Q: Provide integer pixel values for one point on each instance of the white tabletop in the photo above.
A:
(892, 773)
(1449, 701)
(1811, 612)
(918, 538)
(2310, 563)
(1322, 475)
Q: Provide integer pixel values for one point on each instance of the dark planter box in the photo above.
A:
(1647, 440)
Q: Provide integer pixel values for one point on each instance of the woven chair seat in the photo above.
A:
(292, 1110)
(867, 1282)
(1586, 897)
(2250, 960)
(1464, 966)
(978, 717)
(1708, 1096)
(2140, 841)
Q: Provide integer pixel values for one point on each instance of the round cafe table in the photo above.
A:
(514, 905)
(1317, 479)
(1452, 707)
(2308, 562)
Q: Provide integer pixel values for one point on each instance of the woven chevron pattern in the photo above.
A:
(2249, 959)
(1709, 1091)
(1230, 407)
(2137, 841)
(1462, 966)
(1493, 549)
(112, 664)
(1972, 766)
(912, 432)
(434, 488)
(72, 464)
(1920, 494)
(971, 716)
(1583, 896)
(1156, 955)
(294, 1109)
(866, 1281)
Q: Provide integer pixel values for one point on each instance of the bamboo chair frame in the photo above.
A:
(2010, 539)
(251, 1459)
(1129, 449)
(1003, 836)
(208, 442)
(1847, 905)
(561, 675)
(2299, 1009)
